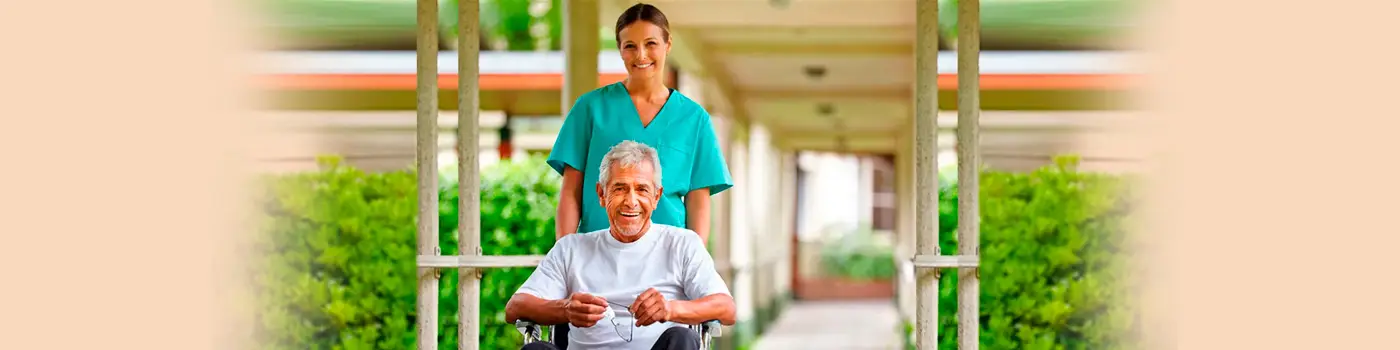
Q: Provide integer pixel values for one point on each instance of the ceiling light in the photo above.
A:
(814, 71)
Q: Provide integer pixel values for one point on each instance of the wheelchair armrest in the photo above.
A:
(531, 330)
(713, 327)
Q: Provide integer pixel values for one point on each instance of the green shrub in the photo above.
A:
(857, 256)
(337, 248)
(1053, 255)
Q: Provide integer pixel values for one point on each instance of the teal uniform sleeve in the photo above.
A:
(710, 170)
(571, 146)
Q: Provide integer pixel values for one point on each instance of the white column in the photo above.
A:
(740, 244)
(468, 177)
(925, 169)
(969, 163)
(761, 211)
(722, 227)
(427, 153)
(770, 234)
(784, 236)
(865, 187)
(757, 213)
(904, 232)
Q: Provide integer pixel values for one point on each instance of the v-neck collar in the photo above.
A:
(658, 122)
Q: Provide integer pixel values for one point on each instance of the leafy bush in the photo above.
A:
(338, 246)
(858, 256)
(1053, 255)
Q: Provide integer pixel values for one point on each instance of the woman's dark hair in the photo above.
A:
(642, 12)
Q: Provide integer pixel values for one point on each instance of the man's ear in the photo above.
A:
(602, 201)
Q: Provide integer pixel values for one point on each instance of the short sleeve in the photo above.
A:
(549, 279)
(571, 146)
(710, 170)
(701, 277)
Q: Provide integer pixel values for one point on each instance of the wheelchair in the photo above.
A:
(559, 333)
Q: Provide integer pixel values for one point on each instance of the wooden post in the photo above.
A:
(580, 50)
(926, 169)
(468, 179)
(969, 169)
(427, 171)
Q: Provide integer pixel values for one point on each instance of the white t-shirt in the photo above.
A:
(668, 258)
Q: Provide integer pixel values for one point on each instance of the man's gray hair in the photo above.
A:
(629, 154)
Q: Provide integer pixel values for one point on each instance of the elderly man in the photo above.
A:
(634, 285)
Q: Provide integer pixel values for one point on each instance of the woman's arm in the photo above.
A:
(697, 213)
(570, 203)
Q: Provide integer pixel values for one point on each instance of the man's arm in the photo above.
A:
(711, 307)
(581, 310)
(710, 298)
(539, 310)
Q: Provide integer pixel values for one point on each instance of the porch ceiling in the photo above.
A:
(757, 53)
(754, 57)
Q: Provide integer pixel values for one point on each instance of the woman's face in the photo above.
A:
(643, 46)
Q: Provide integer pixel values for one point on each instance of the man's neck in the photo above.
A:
(629, 239)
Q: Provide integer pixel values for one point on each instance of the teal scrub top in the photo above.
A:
(681, 133)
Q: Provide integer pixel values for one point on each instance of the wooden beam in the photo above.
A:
(818, 49)
(478, 261)
(791, 133)
(945, 262)
(1000, 123)
(834, 144)
(446, 81)
(889, 93)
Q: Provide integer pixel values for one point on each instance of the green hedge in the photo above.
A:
(336, 269)
(1054, 259)
(856, 256)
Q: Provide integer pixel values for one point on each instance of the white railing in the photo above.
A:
(928, 261)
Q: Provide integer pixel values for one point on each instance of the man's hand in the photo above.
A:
(651, 307)
(584, 310)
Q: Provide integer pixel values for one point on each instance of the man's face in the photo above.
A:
(629, 198)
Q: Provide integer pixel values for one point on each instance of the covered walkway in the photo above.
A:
(853, 325)
(843, 76)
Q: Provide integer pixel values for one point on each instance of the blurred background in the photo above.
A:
(813, 102)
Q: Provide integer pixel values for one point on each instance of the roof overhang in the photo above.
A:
(529, 82)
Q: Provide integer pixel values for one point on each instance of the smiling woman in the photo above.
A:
(641, 109)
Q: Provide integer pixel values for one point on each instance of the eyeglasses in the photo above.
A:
(617, 326)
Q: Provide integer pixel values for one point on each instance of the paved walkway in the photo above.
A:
(852, 325)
